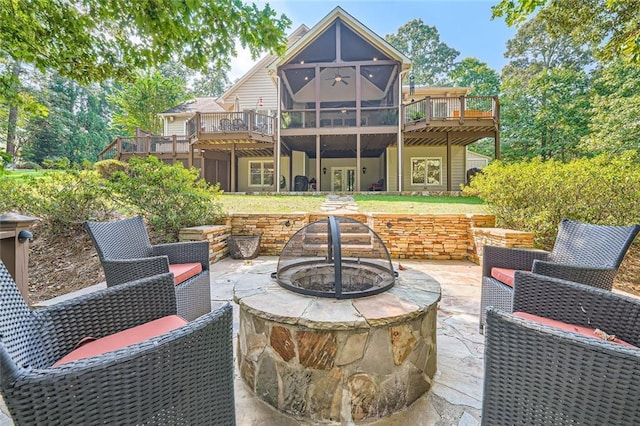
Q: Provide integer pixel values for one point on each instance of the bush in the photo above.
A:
(169, 197)
(12, 195)
(107, 168)
(28, 165)
(56, 163)
(64, 200)
(535, 195)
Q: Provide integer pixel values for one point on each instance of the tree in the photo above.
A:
(432, 59)
(139, 103)
(613, 25)
(544, 102)
(471, 72)
(75, 127)
(615, 108)
(94, 40)
(212, 83)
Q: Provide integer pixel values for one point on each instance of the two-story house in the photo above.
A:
(331, 114)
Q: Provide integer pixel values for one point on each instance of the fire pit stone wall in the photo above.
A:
(328, 360)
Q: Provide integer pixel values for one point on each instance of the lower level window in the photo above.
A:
(426, 171)
(260, 173)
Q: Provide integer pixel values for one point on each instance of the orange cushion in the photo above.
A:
(503, 275)
(584, 331)
(184, 271)
(124, 338)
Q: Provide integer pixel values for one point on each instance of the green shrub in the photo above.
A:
(28, 165)
(12, 195)
(106, 168)
(169, 197)
(535, 195)
(63, 200)
(56, 163)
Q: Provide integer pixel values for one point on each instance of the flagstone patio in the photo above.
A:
(455, 397)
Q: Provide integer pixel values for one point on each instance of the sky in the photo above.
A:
(464, 25)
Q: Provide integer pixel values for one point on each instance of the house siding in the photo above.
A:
(258, 85)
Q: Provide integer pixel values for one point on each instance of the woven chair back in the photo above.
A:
(120, 239)
(20, 343)
(592, 245)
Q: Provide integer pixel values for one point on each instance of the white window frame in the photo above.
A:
(262, 173)
(426, 171)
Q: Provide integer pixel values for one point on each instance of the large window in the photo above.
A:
(260, 173)
(426, 171)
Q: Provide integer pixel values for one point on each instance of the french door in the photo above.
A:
(343, 179)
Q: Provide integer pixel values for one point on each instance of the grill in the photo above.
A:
(337, 257)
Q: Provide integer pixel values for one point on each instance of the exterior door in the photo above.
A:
(343, 179)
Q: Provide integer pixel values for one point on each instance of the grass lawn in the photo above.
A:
(366, 203)
(419, 205)
(22, 173)
(271, 203)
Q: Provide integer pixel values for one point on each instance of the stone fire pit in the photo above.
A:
(327, 360)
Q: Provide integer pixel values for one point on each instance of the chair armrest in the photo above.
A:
(185, 252)
(578, 304)
(512, 258)
(589, 275)
(171, 374)
(118, 271)
(105, 312)
(534, 371)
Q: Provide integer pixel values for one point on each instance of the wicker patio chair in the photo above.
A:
(184, 376)
(582, 252)
(126, 254)
(540, 374)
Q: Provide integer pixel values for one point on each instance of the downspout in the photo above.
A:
(400, 142)
(277, 124)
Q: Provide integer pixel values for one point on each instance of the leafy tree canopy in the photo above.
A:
(139, 103)
(432, 59)
(612, 25)
(471, 72)
(94, 40)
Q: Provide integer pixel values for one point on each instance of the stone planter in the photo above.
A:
(243, 246)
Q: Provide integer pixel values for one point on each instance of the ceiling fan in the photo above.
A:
(338, 78)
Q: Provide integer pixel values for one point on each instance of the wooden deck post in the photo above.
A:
(174, 140)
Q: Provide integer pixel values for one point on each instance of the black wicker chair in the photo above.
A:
(583, 253)
(126, 254)
(539, 374)
(184, 376)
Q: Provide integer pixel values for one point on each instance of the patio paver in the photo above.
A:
(454, 399)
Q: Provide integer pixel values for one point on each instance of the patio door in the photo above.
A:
(343, 179)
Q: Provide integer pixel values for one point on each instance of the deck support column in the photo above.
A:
(358, 165)
(448, 162)
(233, 169)
(318, 159)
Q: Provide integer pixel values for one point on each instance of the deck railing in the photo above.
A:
(146, 144)
(226, 122)
(432, 108)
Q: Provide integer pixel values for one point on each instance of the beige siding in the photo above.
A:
(249, 92)
(176, 127)
(457, 167)
(392, 168)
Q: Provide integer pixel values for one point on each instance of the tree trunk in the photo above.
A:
(12, 122)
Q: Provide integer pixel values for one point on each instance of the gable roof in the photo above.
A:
(207, 104)
(262, 63)
(357, 26)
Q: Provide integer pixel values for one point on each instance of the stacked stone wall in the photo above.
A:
(433, 237)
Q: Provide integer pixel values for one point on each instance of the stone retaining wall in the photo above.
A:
(435, 237)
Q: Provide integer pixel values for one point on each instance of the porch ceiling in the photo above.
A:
(340, 146)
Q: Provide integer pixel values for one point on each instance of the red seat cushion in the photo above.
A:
(184, 271)
(123, 338)
(584, 331)
(503, 275)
